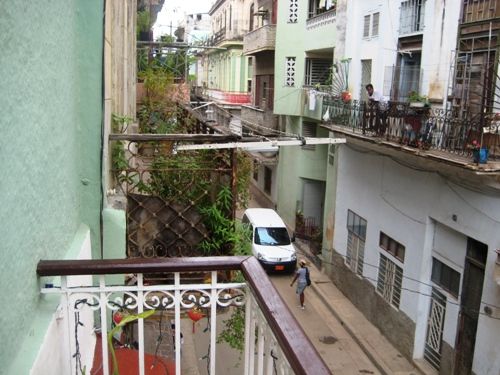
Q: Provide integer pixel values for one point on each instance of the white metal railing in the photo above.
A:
(321, 19)
(87, 305)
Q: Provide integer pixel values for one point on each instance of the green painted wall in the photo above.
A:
(51, 100)
(296, 163)
(294, 39)
(228, 71)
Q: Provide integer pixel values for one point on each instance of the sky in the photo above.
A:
(174, 10)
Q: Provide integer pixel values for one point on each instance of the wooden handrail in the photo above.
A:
(137, 265)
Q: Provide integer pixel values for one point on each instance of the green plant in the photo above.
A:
(414, 96)
(143, 21)
(125, 320)
(120, 123)
(234, 330)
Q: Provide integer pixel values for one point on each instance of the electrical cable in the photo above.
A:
(412, 290)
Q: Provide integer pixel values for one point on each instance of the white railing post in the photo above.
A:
(65, 305)
(140, 322)
(103, 303)
(248, 318)
(213, 323)
(260, 351)
(177, 317)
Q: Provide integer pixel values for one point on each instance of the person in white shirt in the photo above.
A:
(378, 110)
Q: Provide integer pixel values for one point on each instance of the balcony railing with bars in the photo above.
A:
(479, 10)
(191, 288)
(420, 127)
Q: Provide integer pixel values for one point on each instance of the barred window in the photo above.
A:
(390, 279)
(309, 131)
(356, 235)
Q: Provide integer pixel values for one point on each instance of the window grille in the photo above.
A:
(446, 277)
(309, 130)
(390, 277)
(412, 16)
(293, 10)
(331, 154)
(317, 71)
(290, 71)
(356, 235)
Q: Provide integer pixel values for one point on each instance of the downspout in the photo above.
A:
(103, 122)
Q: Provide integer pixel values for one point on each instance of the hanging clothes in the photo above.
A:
(326, 116)
(312, 100)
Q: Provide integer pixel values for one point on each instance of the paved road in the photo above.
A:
(337, 348)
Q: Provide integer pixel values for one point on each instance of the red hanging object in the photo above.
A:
(195, 314)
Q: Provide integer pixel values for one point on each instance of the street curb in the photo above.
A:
(379, 364)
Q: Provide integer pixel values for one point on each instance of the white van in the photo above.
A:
(271, 243)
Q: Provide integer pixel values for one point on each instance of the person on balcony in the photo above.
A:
(302, 275)
(378, 108)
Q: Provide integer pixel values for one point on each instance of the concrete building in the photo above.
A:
(409, 220)
(226, 78)
(257, 118)
(57, 108)
(306, 35)
(410, 225)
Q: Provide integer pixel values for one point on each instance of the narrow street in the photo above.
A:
(336, 346)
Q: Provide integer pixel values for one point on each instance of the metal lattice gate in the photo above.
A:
(432, 351)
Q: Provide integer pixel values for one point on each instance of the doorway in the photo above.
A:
(470, 304)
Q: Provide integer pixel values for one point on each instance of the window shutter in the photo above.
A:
(375, 22)
(366, 27)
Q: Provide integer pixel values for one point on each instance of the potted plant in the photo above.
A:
(417, 100)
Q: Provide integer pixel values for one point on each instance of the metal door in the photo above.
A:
(435, 323)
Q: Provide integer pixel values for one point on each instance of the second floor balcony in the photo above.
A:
(136, 314)
(436, 134)
(261, 39)
(260, 121)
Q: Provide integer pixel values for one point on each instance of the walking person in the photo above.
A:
(303, 280)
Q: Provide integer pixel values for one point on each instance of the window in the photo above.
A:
(411, 19)
(290, 71)
(375, 19)
(268, 174)
(320, 6)
(318, 71)
(255, 170)
(309, 131)
(293, 11)
(356, 235)
(392, 246)
(252, 11)
(446, 277)
(371, 25)
(331, 154)
(389, 282)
